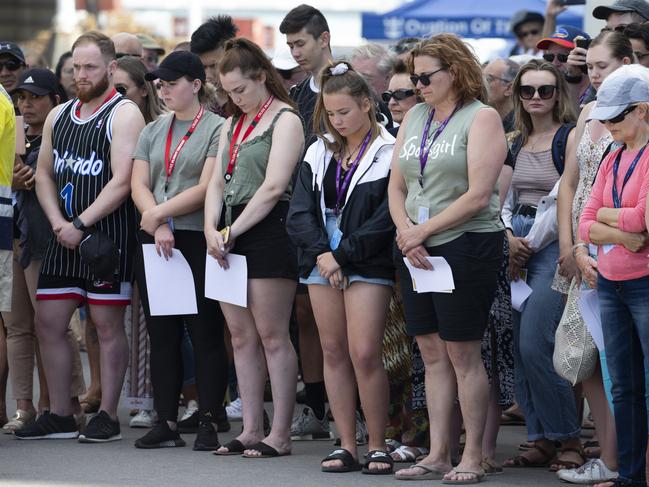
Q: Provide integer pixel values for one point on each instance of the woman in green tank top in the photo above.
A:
(444, 202)
(258, 151)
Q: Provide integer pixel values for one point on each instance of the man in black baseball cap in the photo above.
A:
(528, 28)
(12, 65)
(623, 13)
(176, 65)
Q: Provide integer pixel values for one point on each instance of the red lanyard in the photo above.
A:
(234, 148)
(77, 110)
(170, 162)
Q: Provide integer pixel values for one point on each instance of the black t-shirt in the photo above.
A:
(329, 184)
(305, 98)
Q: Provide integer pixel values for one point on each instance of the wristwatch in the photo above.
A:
(78, 224)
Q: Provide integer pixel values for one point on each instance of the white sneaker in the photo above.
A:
(306, 426)
(234, 410)
(594, 471)
(192, 407)
(143, 419)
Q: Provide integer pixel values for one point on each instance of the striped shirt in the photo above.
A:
(534, 176)
(82, 167)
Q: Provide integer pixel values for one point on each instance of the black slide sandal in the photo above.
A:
(378, 456)
(350, 464)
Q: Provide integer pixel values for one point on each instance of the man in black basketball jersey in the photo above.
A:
(83, 184)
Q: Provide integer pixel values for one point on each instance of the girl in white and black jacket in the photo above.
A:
(340, 222)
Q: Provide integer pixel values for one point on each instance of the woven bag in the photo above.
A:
(575, 354)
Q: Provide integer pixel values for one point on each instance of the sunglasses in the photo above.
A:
(621, 116)
(152, 59)
(11, 65)
(424, 78)
(398, 95)
(545, 92)
(527, 33)
(549, 57)
(617, 28)
(121, 89)
(641, 55)
(120, 55)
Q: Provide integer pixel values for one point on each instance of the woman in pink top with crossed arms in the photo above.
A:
(614, 219)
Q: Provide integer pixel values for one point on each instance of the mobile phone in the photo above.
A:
(582, 42)
(572, 2)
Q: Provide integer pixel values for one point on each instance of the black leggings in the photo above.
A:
(166, 333)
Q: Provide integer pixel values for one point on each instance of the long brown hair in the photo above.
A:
(248, 57)
(562, 112)
(458, 59)
(350, 83)
(136, 70)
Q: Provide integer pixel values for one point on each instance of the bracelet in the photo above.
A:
(577, 246)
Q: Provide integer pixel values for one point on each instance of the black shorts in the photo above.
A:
(94, 292)
(462, 315)
(268, 250)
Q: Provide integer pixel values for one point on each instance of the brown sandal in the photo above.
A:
(567, 464)
(90, 405)
(521, 461)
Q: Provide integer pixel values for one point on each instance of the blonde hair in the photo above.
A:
(350, 83)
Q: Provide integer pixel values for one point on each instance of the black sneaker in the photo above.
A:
(206, 439)
(49, 426)
(222, 422)
(161, 436)
(189, 425)
(101, 429)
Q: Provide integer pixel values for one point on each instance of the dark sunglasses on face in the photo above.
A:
(617, 28)
(424, 78)
(152, 59)
(398, 95)
(527, 33)
(120, 55)
(121, 89)
(545, 92)
(11, 65)
(549, 57)
(641, 55)
(621, 116)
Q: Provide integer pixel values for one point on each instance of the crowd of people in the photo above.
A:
(338, 180)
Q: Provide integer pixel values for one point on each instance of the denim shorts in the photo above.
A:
(316, 278)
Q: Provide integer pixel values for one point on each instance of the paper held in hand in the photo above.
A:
(228, 286)
(438, 280)
(520, 292)
(589, 306)
(169, 283)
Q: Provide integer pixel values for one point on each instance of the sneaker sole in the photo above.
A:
(313, 437)
(164, 444)
(52, 436)
(85, 439)
(138, 424)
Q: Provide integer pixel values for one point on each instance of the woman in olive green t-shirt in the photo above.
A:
(444, 202)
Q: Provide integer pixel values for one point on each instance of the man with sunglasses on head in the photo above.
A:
(499, 75)
(528, 28)
(556, 50)
(126, 45)
(12, 65)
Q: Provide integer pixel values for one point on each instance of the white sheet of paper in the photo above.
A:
(229, 286)
(606, 248)
(589, 307)
(169, 283)
(520, 292)
(439, 280)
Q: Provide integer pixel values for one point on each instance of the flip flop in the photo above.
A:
(235, 447)
(477, 478)
(350, 464)
(490, 467)
(378, 456)
(407, 454)
(430, 473)
(508, 418)
(266, 451)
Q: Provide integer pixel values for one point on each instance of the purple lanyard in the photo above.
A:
(340, 190)
(423, 154)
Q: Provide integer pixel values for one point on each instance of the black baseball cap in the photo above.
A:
(7, 47)
(99, 252)
(640, 7)
(176, 65)
(38, 81)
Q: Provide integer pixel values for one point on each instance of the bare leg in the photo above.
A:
(109, 321)
(329, 310)
(473, 392)
(92, 348)
(366, 307)
(270, 302)
(602, 417)
(441, 391)
(492, 426)
(51, 321)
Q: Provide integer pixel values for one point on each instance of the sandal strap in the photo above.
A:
(378, 456)
(341, 454)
